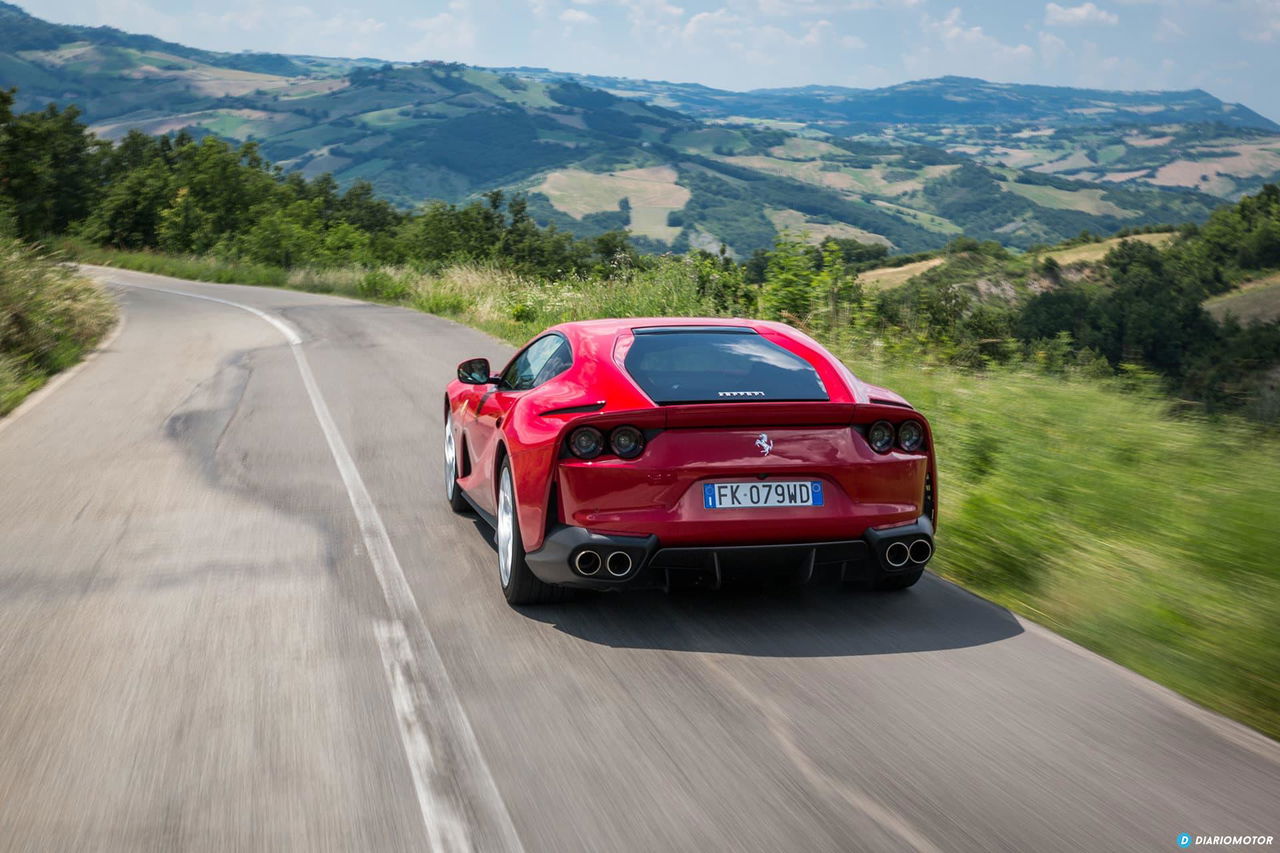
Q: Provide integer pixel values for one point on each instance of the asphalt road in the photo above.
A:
(235, 613)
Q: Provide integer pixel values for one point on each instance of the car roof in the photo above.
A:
(613, 327)
(595, 340)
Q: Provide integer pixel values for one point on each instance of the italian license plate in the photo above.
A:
(765, 494)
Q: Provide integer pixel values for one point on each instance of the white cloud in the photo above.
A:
(303, 30)
(448, 35)
(1168, 30)
(1266, 30)
(1052, 49)
(951, 46)
(1075, 16)
(577, 16)
(711, 25)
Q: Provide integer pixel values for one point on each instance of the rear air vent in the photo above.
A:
(574, 410)
(883, 402)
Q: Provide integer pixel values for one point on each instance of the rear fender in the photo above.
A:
(534, 460)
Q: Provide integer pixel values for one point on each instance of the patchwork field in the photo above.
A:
(652, 193)
(1097, 251)
(1207, 172)
(1090, 201)
(890, 277)
(1267, 296)
(1256, 302)
(1214, 159)
(922, 218)
(797, 222)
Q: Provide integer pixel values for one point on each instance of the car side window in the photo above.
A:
(541, 360)
(559, 361)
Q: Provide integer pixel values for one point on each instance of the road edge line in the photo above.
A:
(403, 608)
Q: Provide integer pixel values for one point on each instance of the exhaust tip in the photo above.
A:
(587, 563)
(897, 554)
(921, 550)
(619, 563)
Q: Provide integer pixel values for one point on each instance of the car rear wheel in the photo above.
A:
(452, 491)
(519, 584)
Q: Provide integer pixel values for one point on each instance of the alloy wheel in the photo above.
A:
(506, 527)
(450, 462)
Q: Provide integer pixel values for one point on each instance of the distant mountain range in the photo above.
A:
(941, 101)
(679, 165)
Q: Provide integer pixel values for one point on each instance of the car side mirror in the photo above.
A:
(474, 371)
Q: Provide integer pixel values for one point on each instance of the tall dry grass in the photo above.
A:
(50, 316)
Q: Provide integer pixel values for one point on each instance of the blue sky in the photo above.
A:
(1229, 47)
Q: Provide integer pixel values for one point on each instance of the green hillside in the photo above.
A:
(1161, 139)
(942, 101)
(590, 160)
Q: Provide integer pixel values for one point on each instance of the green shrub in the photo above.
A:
(381, 284)
(49, 317)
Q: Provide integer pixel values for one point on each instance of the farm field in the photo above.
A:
(886, 278)
(1257, 301)
(652, 193)
(1097, 251)
(797, 222)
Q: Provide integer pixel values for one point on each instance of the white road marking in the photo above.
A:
(416, 681)
(446, 831)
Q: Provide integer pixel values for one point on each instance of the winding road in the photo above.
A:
(236, 614)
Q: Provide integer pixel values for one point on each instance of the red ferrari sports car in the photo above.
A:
(658, 452)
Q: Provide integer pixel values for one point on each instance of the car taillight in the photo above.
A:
(586, 442)
(627, 442)
(880, 436)
(910, 436)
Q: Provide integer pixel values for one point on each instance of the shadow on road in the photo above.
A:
(810, 622)
(818, 621)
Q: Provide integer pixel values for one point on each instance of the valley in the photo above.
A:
(909, 166)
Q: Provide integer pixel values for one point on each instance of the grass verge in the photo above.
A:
(1088, 508)
(50, 316)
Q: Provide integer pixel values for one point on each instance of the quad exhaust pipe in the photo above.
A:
(897, 554)
(619, 564)
(900, 552)
(589, 562)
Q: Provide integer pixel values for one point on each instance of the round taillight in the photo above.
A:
(910, 436)
(627, 442)
(586, 442)
(880, 436)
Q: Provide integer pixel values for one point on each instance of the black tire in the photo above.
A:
(520, 586)
(452, 491)
(890, 583)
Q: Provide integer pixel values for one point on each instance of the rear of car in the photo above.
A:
(760, 455)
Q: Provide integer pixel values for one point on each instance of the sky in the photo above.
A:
(1230, 48)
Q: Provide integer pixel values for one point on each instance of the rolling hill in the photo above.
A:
(1187, 139)
(594, 159)
(941, 101)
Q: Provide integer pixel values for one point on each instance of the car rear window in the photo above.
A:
(720, 364)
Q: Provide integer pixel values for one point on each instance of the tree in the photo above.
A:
(129, 215)
(184, 226)
(788, 286)
(51, 168)
(834, 286)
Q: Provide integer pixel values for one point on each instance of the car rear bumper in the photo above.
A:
(564, 559)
